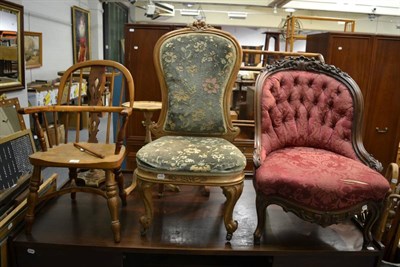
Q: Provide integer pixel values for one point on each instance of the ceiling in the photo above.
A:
(382, 7)
(378, 7)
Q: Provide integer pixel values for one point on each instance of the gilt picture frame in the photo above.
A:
(33, 50)
(10, 120)
(80, 34)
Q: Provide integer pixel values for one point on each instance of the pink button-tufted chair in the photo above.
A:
(309, 157)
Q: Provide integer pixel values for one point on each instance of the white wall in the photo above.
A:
(7, 21)
(53, 20)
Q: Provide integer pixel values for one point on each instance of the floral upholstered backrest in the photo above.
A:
(306, 107)
(198, 69)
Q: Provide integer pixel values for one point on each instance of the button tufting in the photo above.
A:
(341, 113)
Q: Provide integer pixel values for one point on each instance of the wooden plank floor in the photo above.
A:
(186, 224)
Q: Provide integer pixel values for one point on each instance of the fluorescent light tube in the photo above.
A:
(237, 15)
(190, 12)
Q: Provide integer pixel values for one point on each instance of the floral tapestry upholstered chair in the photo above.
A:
(196, 67)
(309, 155)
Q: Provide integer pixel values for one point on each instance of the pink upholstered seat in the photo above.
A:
(309, 155)
(319, 179)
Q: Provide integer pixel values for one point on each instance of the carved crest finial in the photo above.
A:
(199, 24)
(304, 63)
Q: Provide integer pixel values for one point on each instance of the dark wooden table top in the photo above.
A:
(184, 221)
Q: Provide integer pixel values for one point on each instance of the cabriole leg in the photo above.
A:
(232, 194)
(145, 191)
(261, 207)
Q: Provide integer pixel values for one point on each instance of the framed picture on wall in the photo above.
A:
(80, 34)
(33, 49)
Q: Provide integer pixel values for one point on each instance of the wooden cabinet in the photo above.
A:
(373, 61)
(140, 40)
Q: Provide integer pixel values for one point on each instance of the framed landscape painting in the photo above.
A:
(33, 49)
(80, 34)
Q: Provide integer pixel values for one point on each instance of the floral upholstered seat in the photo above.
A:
(191, 154)
(309, 155)
(196, 67)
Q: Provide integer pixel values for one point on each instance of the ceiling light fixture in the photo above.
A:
(190, 12)
(237, 15)
(290, 10)
(275, 9)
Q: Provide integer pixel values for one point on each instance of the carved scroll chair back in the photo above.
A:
(84, 131)
(196, 67)
(309, 154)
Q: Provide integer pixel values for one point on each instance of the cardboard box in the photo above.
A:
(84, 120)
(74, 93)
(52, 135)
(42, 96)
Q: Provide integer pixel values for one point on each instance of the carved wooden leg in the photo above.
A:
(170, 187)
(73, 176)
(113, 205)
(145, 192)
(32, 198)
(120, 180)
(132, 186)
(232, 194)
(261, 207)
(372, 217)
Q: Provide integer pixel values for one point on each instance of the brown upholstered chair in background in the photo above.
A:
(388, 230)
(105, 85)
(197, 67)
(309, 154)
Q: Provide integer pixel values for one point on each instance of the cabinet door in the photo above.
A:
(382, 134)
(139, 45)
(351, 53)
